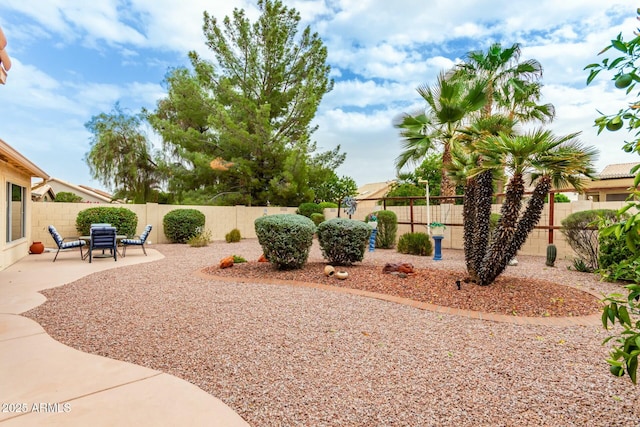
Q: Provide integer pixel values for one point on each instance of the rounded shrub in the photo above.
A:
(581, 231)
(387, 229)
(285, 239)
(182, 224)
(233, 236)
(306, 209)
(415, 244)
(343, 241)
(328, 205)
(317, 218)
(124, 220)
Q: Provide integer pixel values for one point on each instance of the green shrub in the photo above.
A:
(124, 220)
(328, 205)
(306, 209)
(237, 259)
(343, 241)
(233, 236)
(203, 238)
(182, 224)
(67, 197)
(387, 229)
(415, 244)
(317, 218)
(613, 253)
(581, 231)
(285, 239)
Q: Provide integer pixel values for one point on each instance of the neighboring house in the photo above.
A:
(42, 193)
(374, 190)
(16, 172)
(612, 185)
(88, 194)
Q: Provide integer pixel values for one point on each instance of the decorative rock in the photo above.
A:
(513, 262)
(226, 262)
(400, 267)
(329, 271)
(263, 258)
(341, 275)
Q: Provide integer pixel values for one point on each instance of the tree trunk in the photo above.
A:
(480, 221)
(447, 187)
(469, 215)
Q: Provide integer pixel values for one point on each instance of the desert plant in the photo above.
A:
(124, 220)
(581, 266)
(202, 238)
(552, 253)
(581, 231)
(343, 241)
(415, 244)
(317, 218)
(237, 259)
(387, 229)
(233, 236)
(182, 224)
(306, 209)
(285, 239)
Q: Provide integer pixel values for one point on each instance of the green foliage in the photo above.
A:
(613, 253)
(328, 205)
(415, 244)
(581, 266)
(233, 236)
(624, 353)
(285, 239)
(407, 190)
(581, 231)
(237, 259)
(256, 123)
(333, 188)
(67, 197)
(201, 239)
(317, 218)
(182, 224)
(558, 198)
(552, 253)
(121, 156)
(387, 229)
(124, 220)
(306, 209)
(343, 241)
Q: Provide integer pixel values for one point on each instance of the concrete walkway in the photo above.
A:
(43, 382)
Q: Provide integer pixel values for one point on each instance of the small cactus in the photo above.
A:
(552, 252)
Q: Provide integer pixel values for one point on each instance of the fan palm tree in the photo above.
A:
(549, 160)
(449, 102)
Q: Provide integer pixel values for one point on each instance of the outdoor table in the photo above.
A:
(87, 239)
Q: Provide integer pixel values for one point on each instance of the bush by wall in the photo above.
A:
(415, 244)
(387, 229)
(581, 232)
(182, 224)
(317, 218)
(285, 239)
(233, 236)
(612, 253)
(343, 241)
(124, 220)
(328, 205)
(307, 209)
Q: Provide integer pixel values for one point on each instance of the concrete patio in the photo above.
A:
(47, 383)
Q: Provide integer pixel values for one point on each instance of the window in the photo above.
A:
(16, 207)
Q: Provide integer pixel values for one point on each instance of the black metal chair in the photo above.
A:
(60, 242)
(103, 238)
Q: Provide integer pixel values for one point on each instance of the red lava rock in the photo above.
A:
(400, 267)
(263, 258)
(226, 262)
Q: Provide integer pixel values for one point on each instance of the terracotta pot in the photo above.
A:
(36, 248)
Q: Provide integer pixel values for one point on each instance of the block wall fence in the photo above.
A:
(222, 219)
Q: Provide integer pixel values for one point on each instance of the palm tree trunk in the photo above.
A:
(447, 186)
(469, 215)
(480, 222)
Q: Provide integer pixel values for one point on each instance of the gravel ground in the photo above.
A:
(296, 356)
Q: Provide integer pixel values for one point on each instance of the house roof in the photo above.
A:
(77, 189)
(374, 190)
(618, 170)
(9, 155)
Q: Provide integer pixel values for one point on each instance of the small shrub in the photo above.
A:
(306, 209)
(343, 241)
(317, 218)
(614, 253)
(285, 239)
(327, 205)
(581, 231)
(233, 236)
(237, 259)
(387, 229)
(182, 224)
(203, 238)
(67, 197)
(124, 220)
(581, 266)
(415, 244)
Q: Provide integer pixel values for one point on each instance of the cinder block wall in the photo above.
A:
(222, 219)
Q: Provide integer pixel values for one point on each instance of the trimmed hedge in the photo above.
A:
(182, 224)
(415, 244)
(343, 241)
(317, 218)
(124, 220)
(285, 239)
(328, 205)
(233, 236)
(306, 209)
(387, 229)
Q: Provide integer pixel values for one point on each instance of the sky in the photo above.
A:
(74, 59)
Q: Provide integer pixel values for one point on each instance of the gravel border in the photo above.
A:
(286, 355)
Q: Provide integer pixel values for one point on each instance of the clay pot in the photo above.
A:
(329, 271)
(342, 275)
(36, 248)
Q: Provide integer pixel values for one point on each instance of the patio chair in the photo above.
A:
(103, 238)
(60, 242)
(140, 241)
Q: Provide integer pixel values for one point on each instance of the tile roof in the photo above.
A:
(618, 170)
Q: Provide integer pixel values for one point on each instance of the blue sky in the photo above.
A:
(74, 59)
